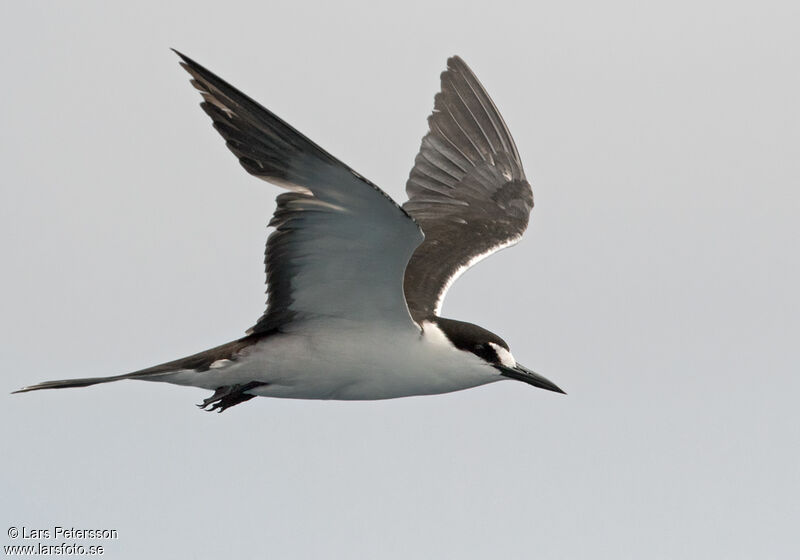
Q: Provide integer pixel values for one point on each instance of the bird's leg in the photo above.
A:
(229, 395)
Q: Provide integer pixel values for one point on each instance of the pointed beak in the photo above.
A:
(521, 373)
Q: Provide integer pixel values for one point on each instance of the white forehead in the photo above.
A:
(505, 356)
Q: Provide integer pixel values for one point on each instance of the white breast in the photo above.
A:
(363, 364)
(345, 361)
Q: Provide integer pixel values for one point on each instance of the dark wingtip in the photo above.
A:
(455, 62)
(186, 62)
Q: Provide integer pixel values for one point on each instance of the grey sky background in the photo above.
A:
(657, 283)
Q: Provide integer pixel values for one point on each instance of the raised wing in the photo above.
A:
(340, 245)
(467, 189)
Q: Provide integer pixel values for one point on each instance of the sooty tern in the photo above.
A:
(354, 286)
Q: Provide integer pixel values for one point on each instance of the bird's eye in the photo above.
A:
(485, 351)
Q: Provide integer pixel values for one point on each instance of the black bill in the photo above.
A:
(521, 373)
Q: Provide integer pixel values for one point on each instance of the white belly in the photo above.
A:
(349, 363)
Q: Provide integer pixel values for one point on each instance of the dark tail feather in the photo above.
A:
(65, 383)
(197, 362)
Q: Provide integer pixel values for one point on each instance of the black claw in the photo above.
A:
(229, 395)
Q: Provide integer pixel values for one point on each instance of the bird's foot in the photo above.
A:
(229, 395)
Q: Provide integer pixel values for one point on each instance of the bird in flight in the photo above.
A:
(355, 282)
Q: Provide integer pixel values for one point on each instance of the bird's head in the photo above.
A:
(493, 350)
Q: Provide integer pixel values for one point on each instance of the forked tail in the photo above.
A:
(81, 382)
(202, 361)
